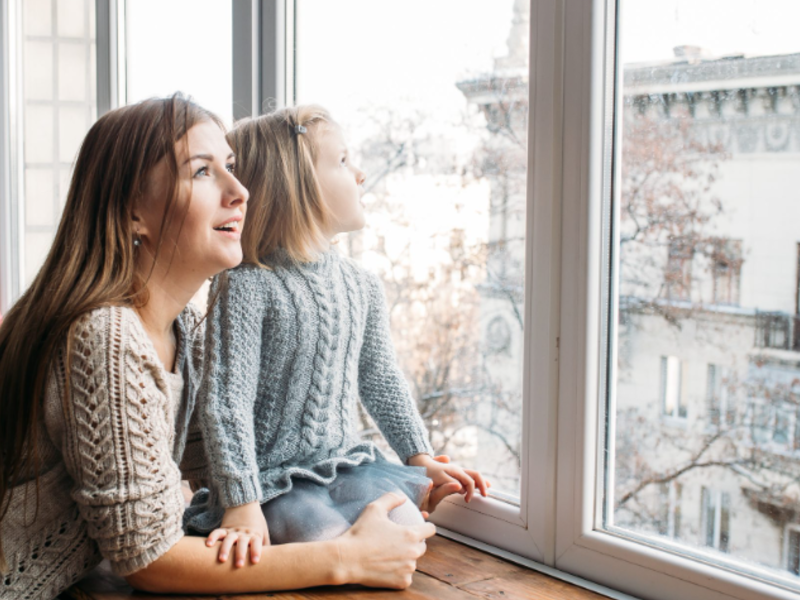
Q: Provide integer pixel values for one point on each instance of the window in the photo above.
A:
(673, 402)
(188, 48)
(772, 424)
(550, 237)
(686, 138)
(442, 137)
(670, 520)
(678, 273)
(716, 519)
(726, 260)
(792, 551)
(639, 161)
(721, 397)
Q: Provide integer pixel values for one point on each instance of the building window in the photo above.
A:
(669, 523)
(716, 519)
(726, 267)
(720, 397)
(673, 401)
(678, 275)
(793, 549)
(773, 424)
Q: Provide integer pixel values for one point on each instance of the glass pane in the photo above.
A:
(433, 99)
(187, 48)
(58, 108)
(707, 376)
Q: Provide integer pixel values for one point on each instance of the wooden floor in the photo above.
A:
(448, 571)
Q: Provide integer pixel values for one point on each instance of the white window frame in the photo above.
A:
(11, 217)
(557, 522)
(610, 557)
(111, 50)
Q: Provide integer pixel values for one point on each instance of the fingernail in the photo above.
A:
(223, 557)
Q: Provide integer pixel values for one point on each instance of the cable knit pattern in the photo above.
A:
(111, 484)
(287, 349)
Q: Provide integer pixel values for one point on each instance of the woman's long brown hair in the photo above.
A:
(90, 264)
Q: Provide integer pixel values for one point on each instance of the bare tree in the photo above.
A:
(435, 315)
(667, 210)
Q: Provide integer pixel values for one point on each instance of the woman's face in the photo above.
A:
(207, 240)
(340, 180)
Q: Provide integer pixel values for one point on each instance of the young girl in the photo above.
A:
(294, 335)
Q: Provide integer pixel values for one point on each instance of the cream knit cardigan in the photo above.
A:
(110, 484)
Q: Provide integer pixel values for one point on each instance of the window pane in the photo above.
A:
(708, 279)
(187, 48)
(58, 45)
(433, 99)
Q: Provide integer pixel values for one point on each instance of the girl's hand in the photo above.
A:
(244, 526)
(449, 479)
(378, 553)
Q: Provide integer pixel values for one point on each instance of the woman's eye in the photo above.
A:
(231, 167)
(344, 160)
(201, 172)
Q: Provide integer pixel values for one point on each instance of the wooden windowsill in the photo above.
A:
(448, 571)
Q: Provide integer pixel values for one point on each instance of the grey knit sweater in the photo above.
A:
(288, 351)
(110, 484)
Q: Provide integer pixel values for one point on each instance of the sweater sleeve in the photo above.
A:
(116, 442)
(230, 384)
(382, 386)
(194, 463)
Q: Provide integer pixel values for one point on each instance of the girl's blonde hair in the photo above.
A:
(275, 157)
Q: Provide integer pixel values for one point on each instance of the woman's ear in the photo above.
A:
(139, 219)
(139, 228)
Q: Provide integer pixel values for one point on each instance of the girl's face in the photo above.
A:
(340, 181)
(206, 240)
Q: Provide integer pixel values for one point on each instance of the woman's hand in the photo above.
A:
(448, 479)
(379, 553)
(244, 526)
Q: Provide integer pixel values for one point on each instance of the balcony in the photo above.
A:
(777, 330)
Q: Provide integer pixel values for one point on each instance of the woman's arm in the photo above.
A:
(374, 552)
(115, 441)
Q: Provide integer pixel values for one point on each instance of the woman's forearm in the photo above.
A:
(190, 567)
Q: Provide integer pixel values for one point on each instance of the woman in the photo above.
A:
(99, 362)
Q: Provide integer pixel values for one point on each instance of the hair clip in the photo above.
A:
(298, 129)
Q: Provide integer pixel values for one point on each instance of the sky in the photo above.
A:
(651, 28)
(356, 53)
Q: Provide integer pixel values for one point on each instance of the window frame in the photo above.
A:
(566, 344)
(609, 556)
(11, 214)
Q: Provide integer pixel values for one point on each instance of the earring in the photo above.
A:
(137, 241)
